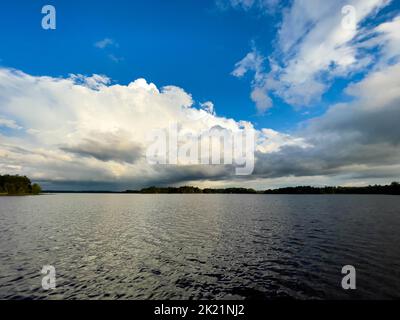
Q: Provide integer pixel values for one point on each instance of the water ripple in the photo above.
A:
(199, 246)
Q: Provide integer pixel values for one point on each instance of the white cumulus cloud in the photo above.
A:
(313, 49)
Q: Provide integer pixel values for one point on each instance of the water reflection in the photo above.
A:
(199, 246)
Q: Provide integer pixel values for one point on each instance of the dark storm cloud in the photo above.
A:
(107, 150)
(357, 138)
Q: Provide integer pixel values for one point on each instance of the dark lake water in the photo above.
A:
(199, 246)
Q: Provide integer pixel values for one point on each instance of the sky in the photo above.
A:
(318, 81)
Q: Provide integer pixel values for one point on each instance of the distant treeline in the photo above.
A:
(393, 188)
(17, 185)
(189, 189)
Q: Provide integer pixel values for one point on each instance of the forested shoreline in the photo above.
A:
(392, 189)
(22, 185)
(18, 185)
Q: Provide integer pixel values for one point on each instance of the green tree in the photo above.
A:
(17, 185)
(36, 189)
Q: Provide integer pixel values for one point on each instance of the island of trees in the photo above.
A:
(18, 185)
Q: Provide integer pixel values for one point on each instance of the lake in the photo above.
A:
(135, 246)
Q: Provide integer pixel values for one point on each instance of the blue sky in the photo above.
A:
(191, 44)
(253, 59)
